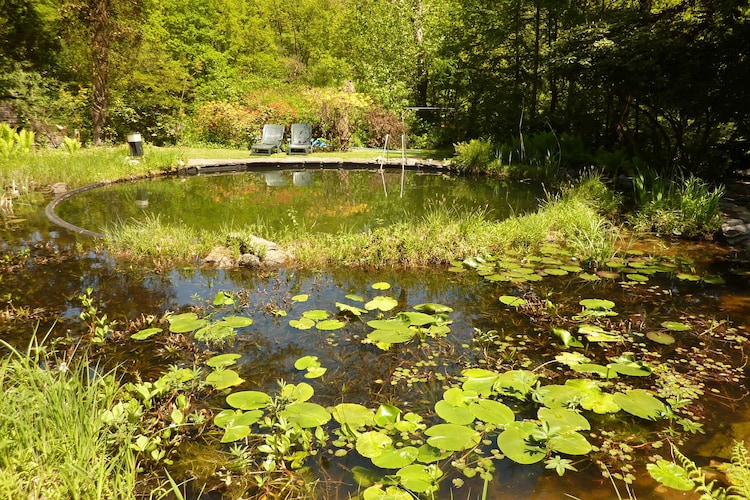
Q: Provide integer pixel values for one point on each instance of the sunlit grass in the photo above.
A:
(53, 439)
(155, 239)
(40, 169)
(438, 238)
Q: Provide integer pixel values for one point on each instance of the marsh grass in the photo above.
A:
(39, 169)
(155, 239)
(441, 236)
(53, 441)
(683, 205)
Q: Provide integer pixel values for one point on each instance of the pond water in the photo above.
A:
(324, 200)
(45, 269)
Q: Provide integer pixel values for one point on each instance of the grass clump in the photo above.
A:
(54, 442)
(680, 205)
(476, 156)
(156, 239)
(444, 235)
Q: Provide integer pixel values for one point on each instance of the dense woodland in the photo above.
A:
(662, 80)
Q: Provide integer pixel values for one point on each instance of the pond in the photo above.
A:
(322, 199)
(683, 306)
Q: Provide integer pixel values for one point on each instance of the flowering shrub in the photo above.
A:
(226, 123)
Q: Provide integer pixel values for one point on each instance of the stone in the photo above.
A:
(59, 188)
(249, 260)
(220, 257)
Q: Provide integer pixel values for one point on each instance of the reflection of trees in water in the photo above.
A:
(335, 197)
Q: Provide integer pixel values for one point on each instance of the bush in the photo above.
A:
(475, 156)
(228, 124)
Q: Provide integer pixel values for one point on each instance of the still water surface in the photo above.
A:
(324, 200)
(59, 268)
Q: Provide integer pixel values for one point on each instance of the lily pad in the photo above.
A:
(432, 308)
(639, 278)
(675, 326)
(315, 372)
(223, 360)
(302, 323)
(303, 297)
(515, 444)
(299, 392)
(223, 379)
(316, 314)
(306, 362)
(330, 324)
(395, 458)
(671, 475)
(306, 415)
(235, 321)
(640, 403)
(248, 400)
(572, 443)
(453, 414)
(688, 277)
(419, 478)
(184, 323)
(372, 444)
(452, 437)
(346, 308)
(510, 300)
(145, 334)
(381, 285)
(597, 304)
(353, 415)
(492, 412)
(381, 303)
(418, 318)
(660, 338)
(611, 275)
(566, 337)
(377, 492)
(391, 336)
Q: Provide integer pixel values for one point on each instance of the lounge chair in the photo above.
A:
(273, 136)
(300, 142)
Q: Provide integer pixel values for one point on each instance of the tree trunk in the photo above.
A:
(422, 78)
(535, 71)
(100, 67)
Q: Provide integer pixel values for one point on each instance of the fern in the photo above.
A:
(738, 474)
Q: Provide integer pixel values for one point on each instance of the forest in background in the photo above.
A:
(661, 80)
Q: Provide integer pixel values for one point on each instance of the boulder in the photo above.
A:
(220, 257)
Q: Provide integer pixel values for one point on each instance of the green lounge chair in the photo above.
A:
(300, 142)
(273, 136)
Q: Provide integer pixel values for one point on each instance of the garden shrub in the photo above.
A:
(475, 156)
(379, 123)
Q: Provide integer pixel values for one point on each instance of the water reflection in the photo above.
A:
(328, 200)
(58, 269)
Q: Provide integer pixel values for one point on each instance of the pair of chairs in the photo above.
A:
(300, 142)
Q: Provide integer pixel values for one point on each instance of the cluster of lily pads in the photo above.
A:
(484, 415)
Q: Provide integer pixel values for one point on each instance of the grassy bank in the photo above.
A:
(438, 238)
(40, 169)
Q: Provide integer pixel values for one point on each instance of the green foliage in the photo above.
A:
(59, 444)
(680, 205)
(684, 474)
(476, 156)
(71, 145)
(100, 327)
